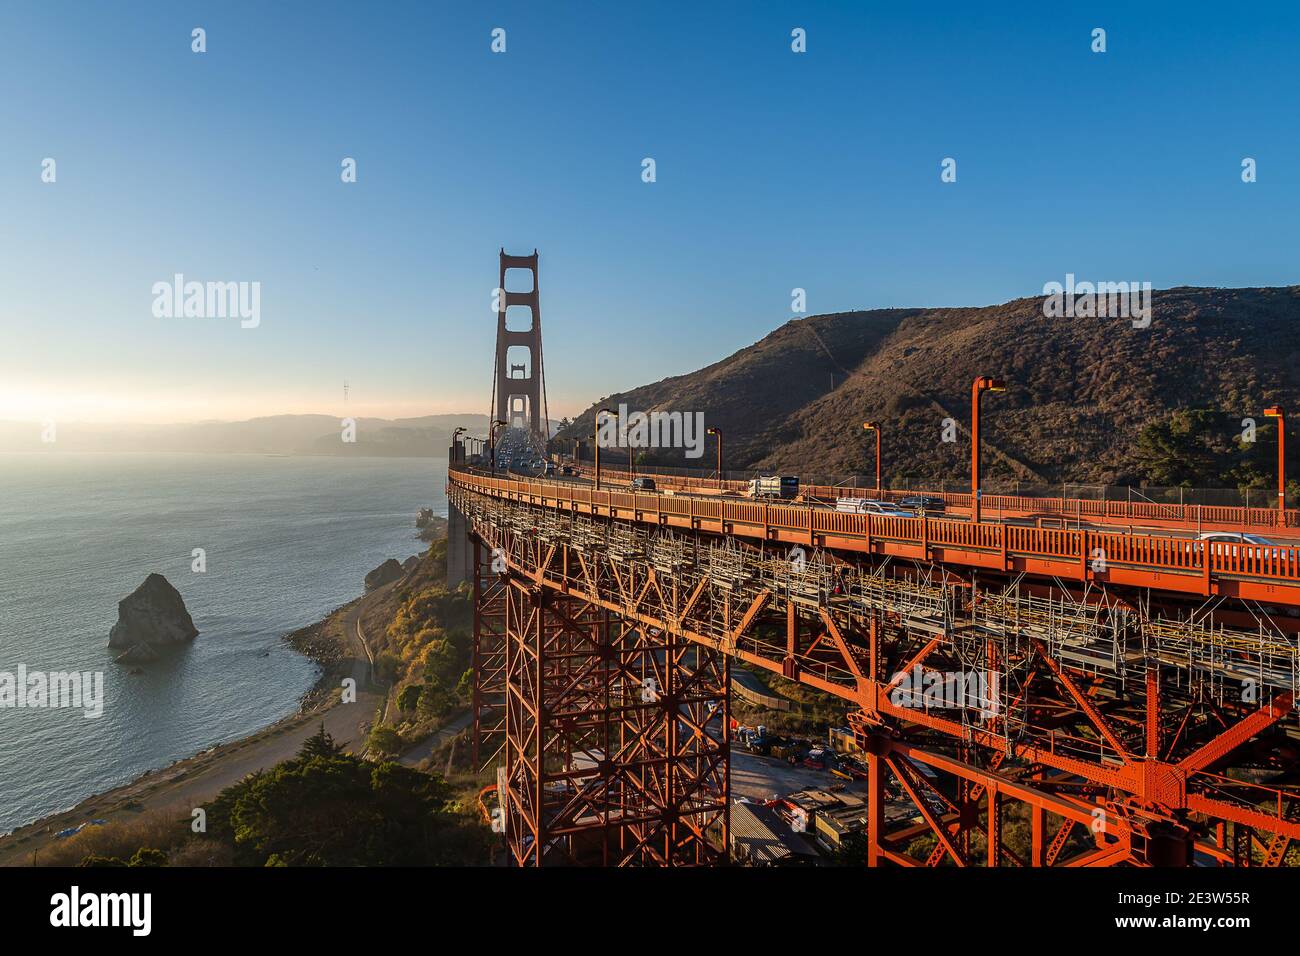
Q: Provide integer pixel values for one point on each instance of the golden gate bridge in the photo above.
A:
(1144, 677)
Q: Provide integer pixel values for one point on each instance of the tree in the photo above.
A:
(341, 810)
(1176, 451)
(853, 849)
(147, 856)
(384, 741)
(320, 744)
(409, 698)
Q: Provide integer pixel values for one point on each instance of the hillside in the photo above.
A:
(1089, 399)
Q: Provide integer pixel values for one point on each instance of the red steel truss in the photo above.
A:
(616, 740)
(1112, 731)
(488, 663)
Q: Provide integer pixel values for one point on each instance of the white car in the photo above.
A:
(1231, 543)
(869, 506)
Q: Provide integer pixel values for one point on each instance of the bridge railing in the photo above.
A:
(1147, 552)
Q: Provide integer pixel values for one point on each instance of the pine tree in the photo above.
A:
(320, 744)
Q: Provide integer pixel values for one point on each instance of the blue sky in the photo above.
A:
(775, 170)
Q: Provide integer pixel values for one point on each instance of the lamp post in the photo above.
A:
(875, 427)
(717, 433)
(492, 444)
(980, 385)
(595, 441)
(455, 443)
(1276, 411)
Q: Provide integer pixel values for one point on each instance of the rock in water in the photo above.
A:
(390, 570)
(137, 654)
(150, 617)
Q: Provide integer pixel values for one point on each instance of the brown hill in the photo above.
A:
(1089, 399)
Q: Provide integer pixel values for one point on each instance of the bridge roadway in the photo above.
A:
(1269, 574)
(1051, 513)
(1065, 512)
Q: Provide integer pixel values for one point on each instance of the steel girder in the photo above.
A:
(1103, 771)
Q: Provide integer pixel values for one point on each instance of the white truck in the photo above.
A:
(774, 486)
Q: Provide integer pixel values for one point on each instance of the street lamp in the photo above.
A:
(1275, 411)
(980, 385)
(717, 433)
(595, 441)
(875, 427)
(455, 442)
(492, 443)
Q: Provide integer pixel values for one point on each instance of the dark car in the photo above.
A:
(642, 484)
(926, 503)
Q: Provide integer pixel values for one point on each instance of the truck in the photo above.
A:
(774, 486)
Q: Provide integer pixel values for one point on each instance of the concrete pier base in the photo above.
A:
(460, 550)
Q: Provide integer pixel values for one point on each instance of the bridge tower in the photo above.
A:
(519, 394)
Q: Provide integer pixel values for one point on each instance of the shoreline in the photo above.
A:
(331, 656)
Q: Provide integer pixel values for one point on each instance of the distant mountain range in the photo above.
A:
(1088, 399)
(426, 436)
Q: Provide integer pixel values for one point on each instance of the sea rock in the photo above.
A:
(410, 563)
(150, 617)
(389, 571)
(137, 654)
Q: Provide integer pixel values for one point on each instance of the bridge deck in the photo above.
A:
(1126, 514)
(1265, 573)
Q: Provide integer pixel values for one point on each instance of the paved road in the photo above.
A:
(1281, 536)
(435, 740)
(762, 778)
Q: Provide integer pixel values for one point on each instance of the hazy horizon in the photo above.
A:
(347, 412)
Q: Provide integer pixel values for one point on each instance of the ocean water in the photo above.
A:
(286, 539)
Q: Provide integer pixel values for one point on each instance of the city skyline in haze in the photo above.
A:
(774, 170)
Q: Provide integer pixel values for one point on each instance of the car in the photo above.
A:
(923, 504)
(567, 470)
(1236, 544)
(868, 506)
(642, 484)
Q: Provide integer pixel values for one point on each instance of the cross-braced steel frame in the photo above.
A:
(616, 737)
(488, 663)
(1116, 732)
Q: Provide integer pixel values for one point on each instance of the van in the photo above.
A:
(642, 484)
